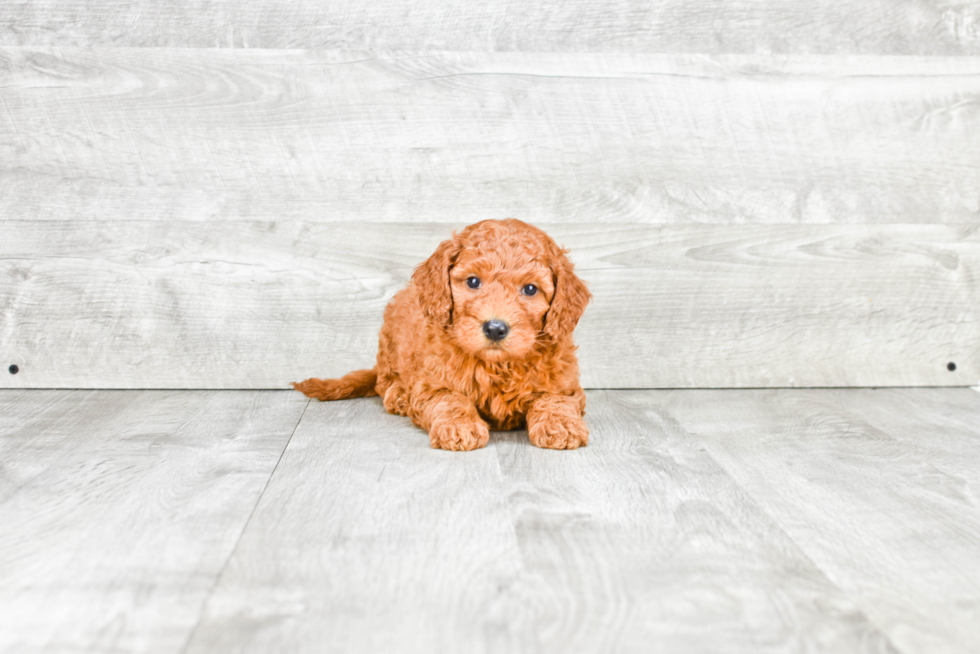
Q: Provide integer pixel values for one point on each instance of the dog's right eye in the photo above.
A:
(473, 282)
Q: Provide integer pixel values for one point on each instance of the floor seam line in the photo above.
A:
(759, 507)
(666, 414)
(241, 534)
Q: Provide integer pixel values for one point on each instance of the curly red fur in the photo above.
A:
(436, 365)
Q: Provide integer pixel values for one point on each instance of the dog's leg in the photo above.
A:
(555, 422)
(450, 418)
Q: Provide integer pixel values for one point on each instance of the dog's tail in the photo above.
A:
(359, 383)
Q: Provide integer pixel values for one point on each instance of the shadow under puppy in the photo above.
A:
(481, 339)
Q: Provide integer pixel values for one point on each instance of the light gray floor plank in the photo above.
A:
(881, 489)
(119, 509)
(367, 540)
(641, 543)
(715, 26)
(257, 305)
(785, 521)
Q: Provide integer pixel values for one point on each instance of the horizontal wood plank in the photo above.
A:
(367, 540)
(878, 488)
(120, 509)
(822, 26)
(257, 305)
(174, 134)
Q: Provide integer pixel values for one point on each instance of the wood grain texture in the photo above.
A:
(367, 540)
(643, 544)
(878, 488)
(174, 134)
(119, 510)
(717, 26)
(257, 305)
(835, 520)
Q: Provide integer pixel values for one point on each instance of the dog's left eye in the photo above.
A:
(530, 289)
(473, 282)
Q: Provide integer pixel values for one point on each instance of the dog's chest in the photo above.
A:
(502, 393)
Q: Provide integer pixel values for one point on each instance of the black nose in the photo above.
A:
(495, 329)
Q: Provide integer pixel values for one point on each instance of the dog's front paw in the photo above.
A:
(558, 432)
(459, 434)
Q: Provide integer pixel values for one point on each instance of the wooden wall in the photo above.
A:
(226, 195)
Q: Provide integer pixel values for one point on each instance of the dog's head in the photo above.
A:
(501, 287)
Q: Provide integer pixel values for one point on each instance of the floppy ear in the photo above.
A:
(431, 279)
(571, 297)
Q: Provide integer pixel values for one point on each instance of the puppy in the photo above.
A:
(481, 339)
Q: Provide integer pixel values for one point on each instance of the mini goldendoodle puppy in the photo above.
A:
(481, 339)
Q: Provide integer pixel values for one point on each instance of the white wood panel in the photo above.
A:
(885, 508)
(120, 509)
(173, 134)
(746, 26)
(367, 540)
(256, 305)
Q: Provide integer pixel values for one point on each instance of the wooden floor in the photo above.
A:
(696, 521)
